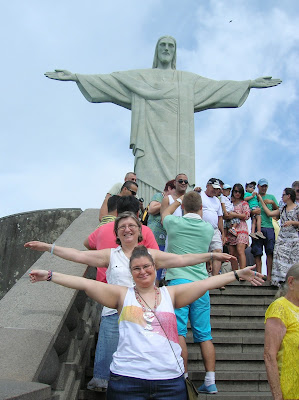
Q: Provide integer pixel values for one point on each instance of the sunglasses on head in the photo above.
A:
(182, 181)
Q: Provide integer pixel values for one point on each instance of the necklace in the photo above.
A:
(148, 313)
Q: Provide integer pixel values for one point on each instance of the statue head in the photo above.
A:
(165, 52)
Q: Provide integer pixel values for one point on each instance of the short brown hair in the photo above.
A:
(141, 251)
(127, 214)
(192, 202)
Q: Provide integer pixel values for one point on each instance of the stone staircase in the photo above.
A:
(237, 318)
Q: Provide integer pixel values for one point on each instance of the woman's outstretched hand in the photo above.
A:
(38, 246)
(254, 277)
(38, 275)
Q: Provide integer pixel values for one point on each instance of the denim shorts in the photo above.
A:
(268, 243)
(199, 314)
(128, 388)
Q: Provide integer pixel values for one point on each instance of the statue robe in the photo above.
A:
(163, 103)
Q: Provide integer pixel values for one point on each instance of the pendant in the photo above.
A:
(149, 318)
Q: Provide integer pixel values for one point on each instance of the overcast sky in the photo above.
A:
(58, 150)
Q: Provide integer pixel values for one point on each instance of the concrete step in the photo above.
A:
(237, 396)
(244, 291)
(223, 347)
(241, 300)
(232, 356)
(85, 394)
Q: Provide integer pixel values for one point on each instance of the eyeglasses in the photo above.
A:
(130, 226)
(237, 191)
(145, 268)
(182, 181)
(132, 191)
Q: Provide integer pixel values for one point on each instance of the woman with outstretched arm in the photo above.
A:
(148, 356)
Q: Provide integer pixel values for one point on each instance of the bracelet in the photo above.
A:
(211, 256)
(50, 273)
(237, 276)
(52, 249)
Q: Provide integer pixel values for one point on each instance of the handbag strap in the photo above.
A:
(163, 331)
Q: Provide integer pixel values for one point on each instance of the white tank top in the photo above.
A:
(178, 212)
(118, 273)
(144, 353)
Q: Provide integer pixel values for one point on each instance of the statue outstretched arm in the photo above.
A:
(62, 75)
(264, 82)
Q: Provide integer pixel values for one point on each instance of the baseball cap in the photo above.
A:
(251, 183)
(227, 186)
(263, 181)
(214, 182)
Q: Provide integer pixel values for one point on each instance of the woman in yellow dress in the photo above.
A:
(281, 351)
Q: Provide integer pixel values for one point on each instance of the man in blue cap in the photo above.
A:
(267, 229)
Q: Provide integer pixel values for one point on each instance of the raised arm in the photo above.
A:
(169, 260)
(108, 295)
(264, 82)
(164, 205)
(275, 331)
(187, 293)
(62, 75)
(269, 213)
(154, 207)
(170, 209)
(104, 207)
(93, 258)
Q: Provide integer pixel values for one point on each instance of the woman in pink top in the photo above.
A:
(239, 242)
(138, 367)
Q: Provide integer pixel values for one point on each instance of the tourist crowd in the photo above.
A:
(189, 236)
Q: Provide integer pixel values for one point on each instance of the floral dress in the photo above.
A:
(241, 228)
(286, 250)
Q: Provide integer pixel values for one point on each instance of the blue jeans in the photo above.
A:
(106, 346)
(125, 387)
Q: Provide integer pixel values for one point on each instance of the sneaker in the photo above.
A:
(253, 236)
(98, 384)
(233, 231)
(211, 389)
(260, 235)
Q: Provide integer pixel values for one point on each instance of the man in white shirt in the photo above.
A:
(181, 185)
(212, 213)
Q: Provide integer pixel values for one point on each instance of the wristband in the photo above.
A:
(52, 249)
(179, 200)
(237, 276)
(211, 256)
(50, 273)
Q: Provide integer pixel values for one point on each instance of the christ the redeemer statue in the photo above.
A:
(163, 101)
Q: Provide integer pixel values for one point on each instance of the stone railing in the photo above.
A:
(46, 330)
(15, 230)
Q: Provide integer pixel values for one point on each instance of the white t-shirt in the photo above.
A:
(115, 190)
(228, 204)
(211, 209)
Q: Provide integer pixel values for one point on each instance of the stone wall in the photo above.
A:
(15, 230)
(47, 330)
